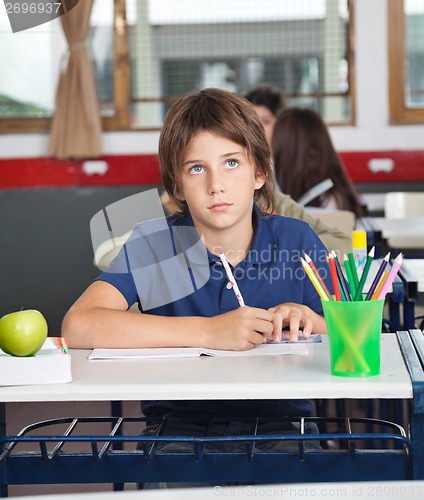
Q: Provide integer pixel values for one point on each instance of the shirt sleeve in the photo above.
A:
(124, 283)
(120, 276)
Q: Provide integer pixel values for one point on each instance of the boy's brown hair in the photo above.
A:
(222, 113)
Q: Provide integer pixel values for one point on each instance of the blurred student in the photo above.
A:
(268, 100)
(304, 156)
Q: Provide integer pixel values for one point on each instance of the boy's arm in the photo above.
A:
(99, 318)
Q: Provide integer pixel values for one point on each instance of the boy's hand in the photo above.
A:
(239, 330)
(296, 316)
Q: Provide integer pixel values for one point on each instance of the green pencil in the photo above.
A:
(349, 275)
(353, 269)
(370, 258)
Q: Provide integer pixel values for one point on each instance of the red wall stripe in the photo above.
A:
(408, 166)
(144, 169)
(47, 172)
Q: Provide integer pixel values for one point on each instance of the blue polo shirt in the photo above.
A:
(159, 270)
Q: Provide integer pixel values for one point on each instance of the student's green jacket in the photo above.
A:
(332, 237)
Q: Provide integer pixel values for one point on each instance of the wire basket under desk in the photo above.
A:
(66, 452)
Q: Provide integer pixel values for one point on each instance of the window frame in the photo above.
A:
(121, 119)
(399, 113)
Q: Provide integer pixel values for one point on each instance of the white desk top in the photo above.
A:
(259, 377)
(373, 201)
(390, 228)
(389, 490)
(407, 233)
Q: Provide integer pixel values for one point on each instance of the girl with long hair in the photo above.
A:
(304, 156)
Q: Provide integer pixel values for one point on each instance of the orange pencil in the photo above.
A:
(380, 285)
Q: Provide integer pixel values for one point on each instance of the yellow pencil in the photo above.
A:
(314, 280)
(380, 285)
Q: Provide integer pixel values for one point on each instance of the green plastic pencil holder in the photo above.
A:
(354, 331)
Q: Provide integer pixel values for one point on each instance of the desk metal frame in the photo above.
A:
(204, 458)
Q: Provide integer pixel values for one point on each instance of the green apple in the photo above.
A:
(22, 333)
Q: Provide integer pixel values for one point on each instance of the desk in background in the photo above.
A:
(381, 233)
(403, 234)
(412, 274)
(415, 268)
(373, 202)
(262, 377)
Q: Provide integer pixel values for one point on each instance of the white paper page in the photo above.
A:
(283, 348)
(154, 352)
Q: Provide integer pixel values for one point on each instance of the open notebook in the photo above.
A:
(269, 349)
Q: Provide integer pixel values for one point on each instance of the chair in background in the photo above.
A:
(316, 191)
(108, 250)
(404, 205)
(399, 205)
(342, 219)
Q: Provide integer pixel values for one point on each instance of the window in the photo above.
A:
(147, 53)
(406, 61)
(29, 61)
(303, 47)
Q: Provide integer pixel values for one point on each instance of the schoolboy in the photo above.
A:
(215, 163)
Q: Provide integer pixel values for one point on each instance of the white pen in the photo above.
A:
(231, 279)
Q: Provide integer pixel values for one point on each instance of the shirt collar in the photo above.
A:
(262, 248)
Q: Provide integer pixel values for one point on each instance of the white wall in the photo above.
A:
(371, 132)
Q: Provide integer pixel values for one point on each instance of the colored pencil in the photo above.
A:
(314, 280)
(377, 277)
(231, 279)
(391, 277)
(315, 270)
(349, 275)
(342, 281)
(334, 278)
(380, 285)
(353, 269)
(370, 258)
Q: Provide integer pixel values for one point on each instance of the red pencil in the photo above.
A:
(334, 278)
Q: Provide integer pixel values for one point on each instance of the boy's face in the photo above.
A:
(218, 181)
